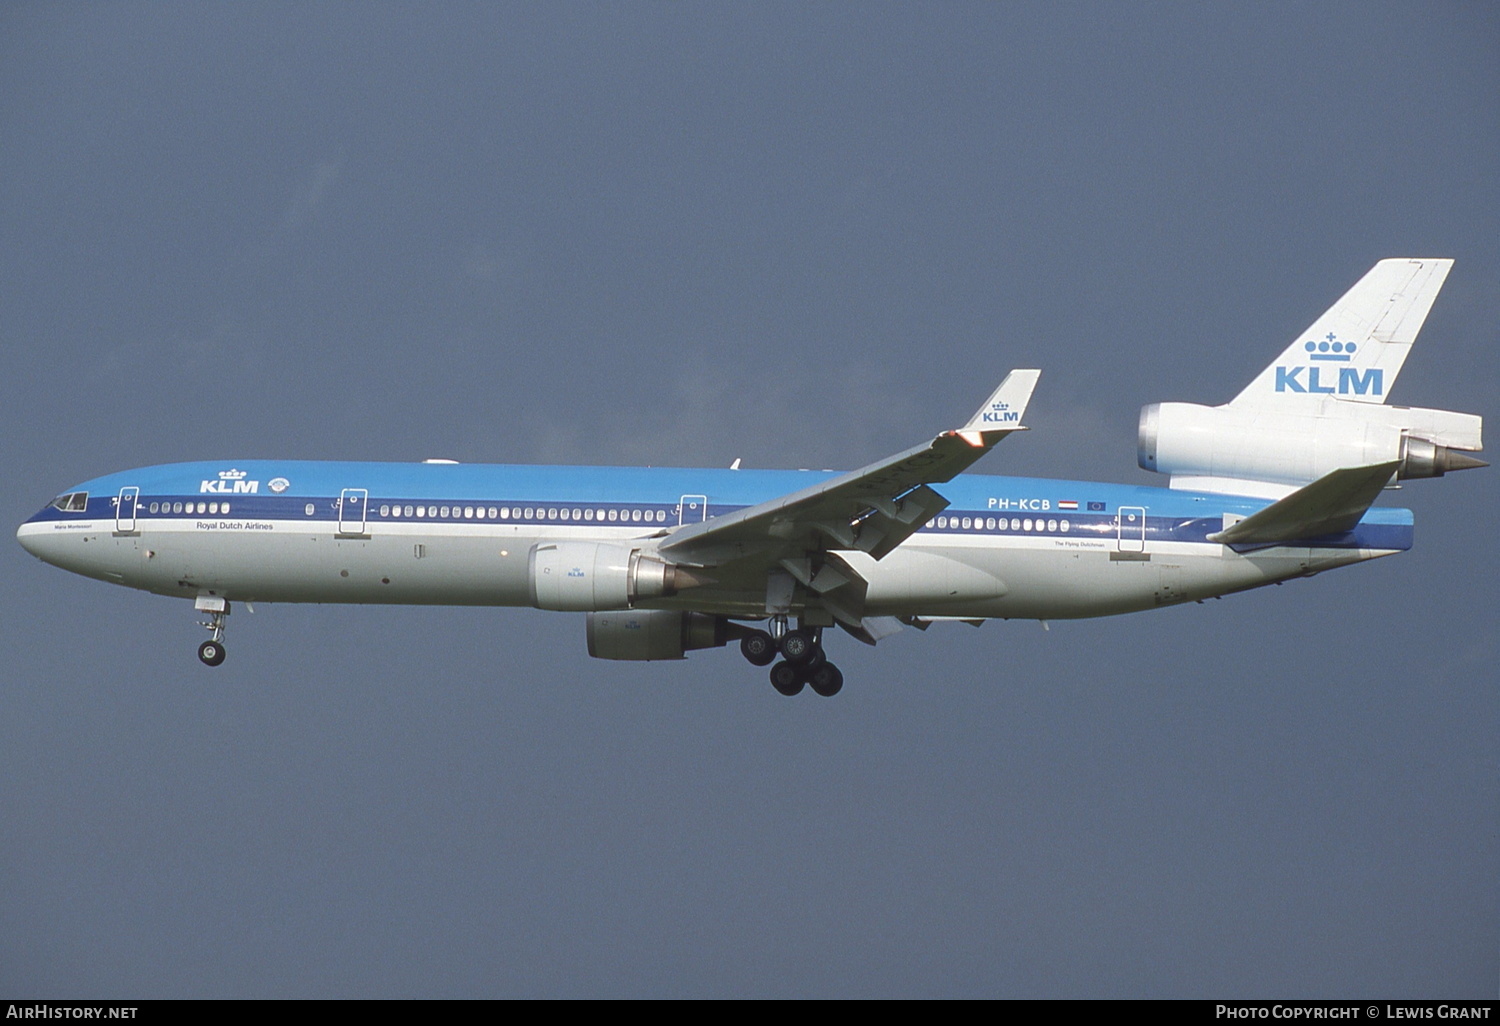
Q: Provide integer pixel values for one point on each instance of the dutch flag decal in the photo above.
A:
(1067, 504)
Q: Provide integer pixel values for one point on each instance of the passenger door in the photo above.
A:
(352, 511)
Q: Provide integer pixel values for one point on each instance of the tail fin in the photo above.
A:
(1355, 350)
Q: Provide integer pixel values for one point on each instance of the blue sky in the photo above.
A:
(799, 235)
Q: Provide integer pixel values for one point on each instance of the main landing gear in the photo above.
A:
(212, 652)
(803, 661)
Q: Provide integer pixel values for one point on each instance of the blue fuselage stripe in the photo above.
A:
(646, 497)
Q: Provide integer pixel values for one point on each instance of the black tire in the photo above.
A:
(826, 680)
(799, 647)
(759, 648)
(211, 652)
(787, 679)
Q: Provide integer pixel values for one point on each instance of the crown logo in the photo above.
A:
(233, 475)
(1330, 348)
(999, 407)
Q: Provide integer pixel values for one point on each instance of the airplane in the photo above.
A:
(1278, 483)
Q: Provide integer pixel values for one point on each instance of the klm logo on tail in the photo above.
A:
(1001, 413)
(1350, 380)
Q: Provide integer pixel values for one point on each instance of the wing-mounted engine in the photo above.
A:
(1227, 448)
(645, 634)
(1320, 405)
(588, 576)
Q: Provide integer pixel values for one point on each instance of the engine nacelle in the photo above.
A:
(653, 633)
(1293, 448)
(586, 576)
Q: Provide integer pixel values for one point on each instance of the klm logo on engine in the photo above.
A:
(1000, 413)
(1350, 380)
(230, 482)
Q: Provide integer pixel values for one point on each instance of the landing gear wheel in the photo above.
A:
(826, 680)
(799, 646)
(211, 652)
(759, 648)
(787, 679)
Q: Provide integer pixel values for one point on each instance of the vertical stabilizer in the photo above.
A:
(1355, 350)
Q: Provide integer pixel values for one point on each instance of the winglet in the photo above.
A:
(1001, 412)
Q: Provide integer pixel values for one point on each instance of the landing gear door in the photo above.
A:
(352, 503)
(1130, 528)
(125, 510)
(692, 509)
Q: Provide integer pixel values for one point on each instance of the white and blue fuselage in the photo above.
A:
(1278, 483)
(290, 531)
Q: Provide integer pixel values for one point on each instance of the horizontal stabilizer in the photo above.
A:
(1332, 504)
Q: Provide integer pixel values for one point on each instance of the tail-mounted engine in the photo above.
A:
(1203, 446)
(588, 576)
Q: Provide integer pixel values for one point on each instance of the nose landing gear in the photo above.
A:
(212, 651)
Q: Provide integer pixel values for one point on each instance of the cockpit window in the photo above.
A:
(73, 502)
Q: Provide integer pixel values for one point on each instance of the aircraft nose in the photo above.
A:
(38, 538)
(26, 534)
